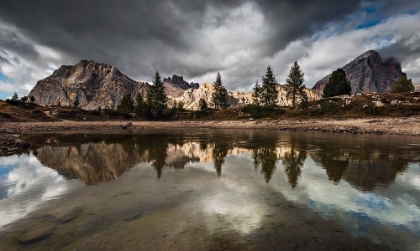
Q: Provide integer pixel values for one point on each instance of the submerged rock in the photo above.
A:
(133, 216)
(35, 234)
(70, 215)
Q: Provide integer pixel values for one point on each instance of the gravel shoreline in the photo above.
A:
(391, 126)
(410, 126)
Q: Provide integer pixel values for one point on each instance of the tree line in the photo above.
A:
(264, 96)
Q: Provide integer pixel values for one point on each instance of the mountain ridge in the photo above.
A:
(99, 85)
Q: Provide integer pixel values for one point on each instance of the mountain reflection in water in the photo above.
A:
(97, 158)
(262, 185)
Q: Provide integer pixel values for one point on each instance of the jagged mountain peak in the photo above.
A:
(180, 82)
(94, 84)
(368, 73)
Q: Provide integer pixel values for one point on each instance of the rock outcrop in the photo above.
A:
(417, 87)
(94, 84)
(101, 85)
(191, 97)
(368, 73)
(179, 82)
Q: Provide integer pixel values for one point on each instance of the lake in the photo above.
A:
(157, 189)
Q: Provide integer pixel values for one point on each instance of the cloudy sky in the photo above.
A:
(197, 38)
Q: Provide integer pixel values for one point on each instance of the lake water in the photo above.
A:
(211, 190)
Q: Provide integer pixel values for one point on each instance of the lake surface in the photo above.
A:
(211, 190)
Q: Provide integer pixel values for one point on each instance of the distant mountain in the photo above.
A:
(179, 82)
(368, 73)
(102, 85)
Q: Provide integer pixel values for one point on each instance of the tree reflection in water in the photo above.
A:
(98, 158)
(265, 156)
(219, 152)
(293, 161)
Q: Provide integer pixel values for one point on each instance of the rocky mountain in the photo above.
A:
(191, 97)
(95, 84)
(101, 85)
(368, 73)
(417, 87)
(179, 82)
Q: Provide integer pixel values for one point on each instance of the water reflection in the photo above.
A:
(24, 179)
(101, 158)
(367, 184)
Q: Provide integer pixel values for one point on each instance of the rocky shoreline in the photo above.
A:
(11, 144)
(409, 126)
(406, 126)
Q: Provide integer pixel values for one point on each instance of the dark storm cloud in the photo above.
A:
(3, 60)
(12, 41)
(101, 30)
(140, 37)
(294, 19)
(403, 50)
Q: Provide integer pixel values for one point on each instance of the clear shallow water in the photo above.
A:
(218, 190)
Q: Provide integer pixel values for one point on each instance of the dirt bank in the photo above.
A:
(409, 126)
(11, 144)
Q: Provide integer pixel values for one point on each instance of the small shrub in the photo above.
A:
(257, 111)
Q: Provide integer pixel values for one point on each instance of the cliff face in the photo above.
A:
(179, 81)
(102, 85)
(368, 73)
(93, 83)
(191, 97)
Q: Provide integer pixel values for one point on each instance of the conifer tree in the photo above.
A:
(76, 102)
(403, 85)
(126, 104)
(294, 84)
(269, 91)
(156, 98)
(141, 108)
(338, 84)
(256, 95)
(219, 96)
(202, 104)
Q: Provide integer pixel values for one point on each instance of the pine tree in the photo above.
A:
(141, 108)
(76, 102)
(403, 85)
(156, 97)
(202, 104)
(219, 96)
(15, 97)
(295, 84)
(338, 84)
(126, 104)
(256, 95)
(269, 91)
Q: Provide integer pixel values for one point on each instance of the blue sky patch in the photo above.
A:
(370, 9)
(368, 24)
(3, 78)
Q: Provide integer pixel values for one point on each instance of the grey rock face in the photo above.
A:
(180, 82)
(94, 84)
(368, 73)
